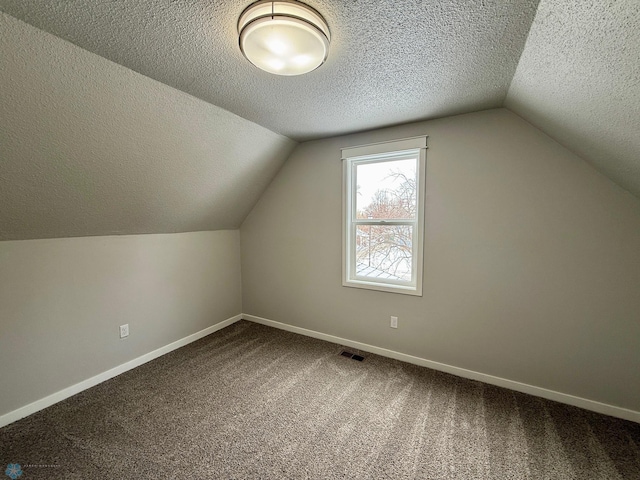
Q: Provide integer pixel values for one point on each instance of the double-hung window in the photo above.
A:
(383, 215)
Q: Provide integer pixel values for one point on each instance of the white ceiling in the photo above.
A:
(579, 81)
(89, 147)
(391, 61)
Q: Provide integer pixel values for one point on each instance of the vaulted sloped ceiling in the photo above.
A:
(579, 81)
(88, 147)
(391, 61)
(142, 116)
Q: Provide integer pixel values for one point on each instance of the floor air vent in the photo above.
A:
(352, 356)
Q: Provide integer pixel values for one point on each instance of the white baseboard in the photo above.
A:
(587, 404)
(49, 400)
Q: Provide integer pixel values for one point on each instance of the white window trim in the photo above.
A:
(372, 153)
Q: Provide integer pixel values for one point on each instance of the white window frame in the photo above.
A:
(378, 152)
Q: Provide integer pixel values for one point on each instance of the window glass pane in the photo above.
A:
(384, 251)
(386, 190)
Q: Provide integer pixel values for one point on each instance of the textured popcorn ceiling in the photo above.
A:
(88, 147)
(391, 61)
(579, 81)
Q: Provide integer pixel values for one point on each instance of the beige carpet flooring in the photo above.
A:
(252, 402)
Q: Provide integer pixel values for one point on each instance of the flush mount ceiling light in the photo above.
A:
(285, 37)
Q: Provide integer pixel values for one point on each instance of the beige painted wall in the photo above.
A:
(532, 259)
(62, 300)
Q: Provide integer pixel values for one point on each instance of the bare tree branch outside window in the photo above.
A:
(388, 248)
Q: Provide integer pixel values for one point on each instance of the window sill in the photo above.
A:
(383, 287)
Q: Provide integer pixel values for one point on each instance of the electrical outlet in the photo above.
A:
(124, 330)
(394, 322)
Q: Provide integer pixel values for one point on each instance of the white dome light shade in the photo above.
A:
(284, 38)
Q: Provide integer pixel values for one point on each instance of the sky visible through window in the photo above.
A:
(373, 177)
